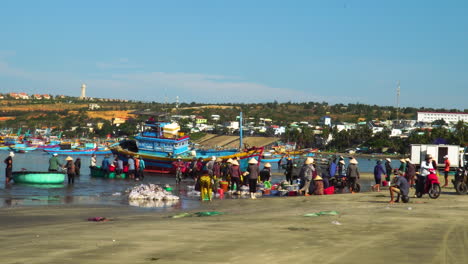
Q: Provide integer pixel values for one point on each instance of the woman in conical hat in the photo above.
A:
(70, 166)
(236, 174)
(253, 161)
(318, 183)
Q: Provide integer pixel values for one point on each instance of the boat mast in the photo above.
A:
(240, 131)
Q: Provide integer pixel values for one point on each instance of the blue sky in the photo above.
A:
(239, 51)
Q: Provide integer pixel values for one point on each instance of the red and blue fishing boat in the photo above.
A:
(160, 144)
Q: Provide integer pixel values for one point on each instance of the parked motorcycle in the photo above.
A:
(431, 186)
(460, 181)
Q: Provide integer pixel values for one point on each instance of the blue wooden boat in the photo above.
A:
(22, 148)
(70, 151)
(160, 151)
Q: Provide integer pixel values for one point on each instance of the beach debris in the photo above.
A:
(199, 214)
(336, 222)
(150, 192)
(98, 219)
(209, 213)
(181, 215)
(409, 208)
(322, 213)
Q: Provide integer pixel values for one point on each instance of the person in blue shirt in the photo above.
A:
(378, 172)
(105, 164)
(401, 188)
(141, 168)
(332, 168)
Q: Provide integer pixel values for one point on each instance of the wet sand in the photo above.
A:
(265, 230)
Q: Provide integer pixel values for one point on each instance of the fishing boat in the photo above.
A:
(4, 147)
(70, 151)
(38, 177)
(160, 144)
(22, 148)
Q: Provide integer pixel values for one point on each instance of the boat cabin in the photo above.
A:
(162, 138)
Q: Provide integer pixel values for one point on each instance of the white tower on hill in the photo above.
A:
(83, 91)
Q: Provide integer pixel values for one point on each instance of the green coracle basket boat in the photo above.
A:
(38, 177)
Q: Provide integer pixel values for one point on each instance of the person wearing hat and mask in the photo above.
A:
(54, 163)
(199, 167)
(216, 174)
(9, 167)
(410, 171)
(402, 166)
(226, 170)
(378, 172)
(446, 169)
(352, 173)
(70, 167)
(252, 173)
(388, 169)
(235, 173)
(424, 171)
(289, 169)
(318, 183)
(265, 173)
(306, 175)
(341, 168)
(400, 187)
(209, 166)
(192, 168)
(179, 167)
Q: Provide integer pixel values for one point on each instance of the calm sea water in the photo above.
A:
(89, 190)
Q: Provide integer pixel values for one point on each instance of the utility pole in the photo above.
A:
(240, 131)
(398, 103)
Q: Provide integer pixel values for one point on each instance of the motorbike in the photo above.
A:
(340, 183)
(460, 181)
(430, 187)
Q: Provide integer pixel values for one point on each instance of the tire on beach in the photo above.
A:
(434, 191)
(357, 187)
(461, 188)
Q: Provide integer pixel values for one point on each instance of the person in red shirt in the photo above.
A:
(446, 169)
(180, 168)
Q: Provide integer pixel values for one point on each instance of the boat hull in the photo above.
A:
(38, 177)
(70, 151)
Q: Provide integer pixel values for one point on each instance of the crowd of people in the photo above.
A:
(133, 168)
(312, 178)
(208, 176)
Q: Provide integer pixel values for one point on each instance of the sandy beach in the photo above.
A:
(267, 230)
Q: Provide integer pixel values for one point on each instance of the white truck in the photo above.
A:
(455, 154)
